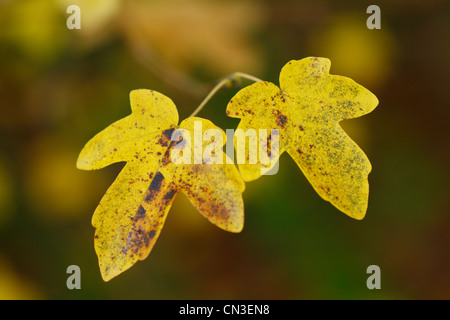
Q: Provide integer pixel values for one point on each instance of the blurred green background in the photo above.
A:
(59, 87)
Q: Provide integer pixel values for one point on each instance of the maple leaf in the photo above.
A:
(306, 109)
(131, 214)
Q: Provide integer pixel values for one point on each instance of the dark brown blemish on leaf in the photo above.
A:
(175, 143)
(170, 194)
(146, 239)
(269, 145)
(166, 136)
(162, 142)
(168, 133)
(137, 239)
(200, 200)
(148, 196)
(156, 182)
(152, 234)
(166, 159)
(140, 213)
(281, 118)
(216, 210)
(155, 186)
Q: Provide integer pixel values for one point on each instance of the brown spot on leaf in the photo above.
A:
(166, 136)
(166, 159)
(140, 213)
(281, 118)
(170, 194)
(137, 239)
(162, 142)
(281, 121)
(155, 187)
(168, 133)
(157, 181)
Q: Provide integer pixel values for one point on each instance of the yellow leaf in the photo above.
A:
(306, 110)
(131, 214)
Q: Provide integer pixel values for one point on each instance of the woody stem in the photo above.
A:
(227, 81)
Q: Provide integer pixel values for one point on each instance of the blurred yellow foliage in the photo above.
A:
(191, 33)
(34, 28)
(55, 188)
(14, 286)
(94, 13)
(363, 54)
